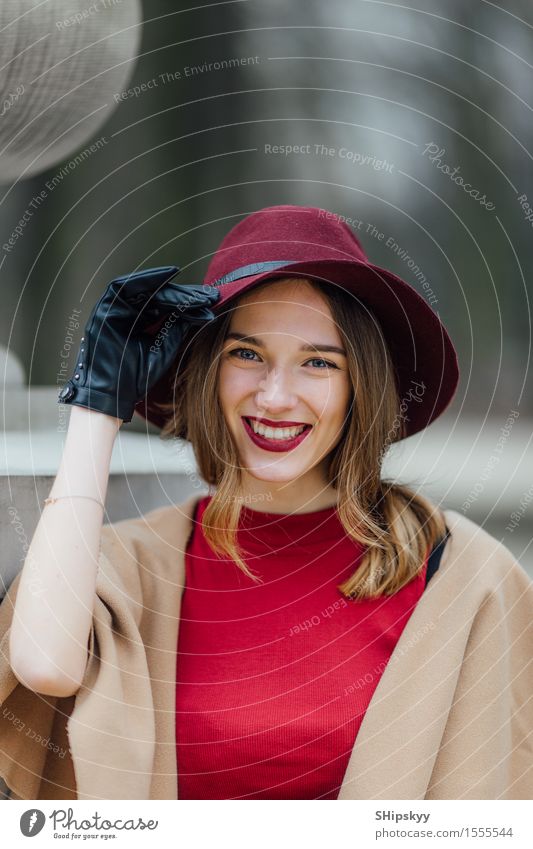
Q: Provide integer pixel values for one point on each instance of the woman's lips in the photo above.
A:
(275, 444)
(269, 423)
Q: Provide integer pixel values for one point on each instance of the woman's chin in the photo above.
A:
(280, 471)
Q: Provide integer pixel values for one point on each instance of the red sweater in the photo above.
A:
(273, 679)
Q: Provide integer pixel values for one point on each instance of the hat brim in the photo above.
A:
(422, 352)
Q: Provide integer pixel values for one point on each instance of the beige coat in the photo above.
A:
(451, 717)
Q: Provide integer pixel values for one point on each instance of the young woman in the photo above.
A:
(306, 630)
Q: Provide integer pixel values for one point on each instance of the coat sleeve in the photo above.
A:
(32, 725)
(487, 747)
(35, 755)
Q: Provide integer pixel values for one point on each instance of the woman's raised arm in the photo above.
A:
(55, 596)
(118, 361)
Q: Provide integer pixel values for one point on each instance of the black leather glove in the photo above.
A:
(119, 360)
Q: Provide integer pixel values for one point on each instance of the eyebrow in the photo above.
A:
(253, 340)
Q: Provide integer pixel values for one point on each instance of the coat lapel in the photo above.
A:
(400, 736)
(160, 636)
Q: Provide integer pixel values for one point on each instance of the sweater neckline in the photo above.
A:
(256, 515)
(258, 528)
(317, 526)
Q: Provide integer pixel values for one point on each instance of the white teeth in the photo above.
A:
(276, 433)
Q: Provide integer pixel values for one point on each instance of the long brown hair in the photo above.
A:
(396, 526)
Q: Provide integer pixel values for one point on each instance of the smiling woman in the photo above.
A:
(236, 402)
(345, 639)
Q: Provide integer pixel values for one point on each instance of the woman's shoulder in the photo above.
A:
(473, 552)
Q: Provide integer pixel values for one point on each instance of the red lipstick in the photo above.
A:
(275, 444)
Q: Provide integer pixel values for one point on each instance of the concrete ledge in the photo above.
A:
(38, 452)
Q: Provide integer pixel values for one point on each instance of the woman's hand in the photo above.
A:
(120, 359)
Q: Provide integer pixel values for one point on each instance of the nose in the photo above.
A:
(274, 392)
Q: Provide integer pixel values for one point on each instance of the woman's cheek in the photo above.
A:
(234, 384)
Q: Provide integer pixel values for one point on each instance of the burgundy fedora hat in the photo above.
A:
(307, 241)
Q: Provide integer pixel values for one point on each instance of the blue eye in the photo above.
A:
(236, 351)
(320, 360)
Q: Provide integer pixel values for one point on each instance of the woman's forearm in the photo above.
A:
(55, 598)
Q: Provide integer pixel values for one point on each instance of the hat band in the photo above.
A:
(254, 268)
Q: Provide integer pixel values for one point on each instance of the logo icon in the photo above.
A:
(32, 822)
